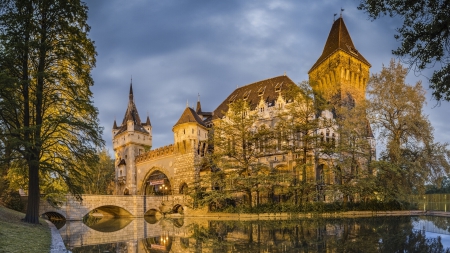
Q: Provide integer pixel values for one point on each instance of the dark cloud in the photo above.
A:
(177, 49)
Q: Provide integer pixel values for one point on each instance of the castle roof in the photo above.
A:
(133, 115)
(266, 89)
(189, 115)
(339, 39)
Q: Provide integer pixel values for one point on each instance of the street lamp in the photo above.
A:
(163, 188)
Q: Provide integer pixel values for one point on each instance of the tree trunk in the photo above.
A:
(32, 215)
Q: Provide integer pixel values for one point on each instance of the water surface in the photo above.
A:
(374, 234)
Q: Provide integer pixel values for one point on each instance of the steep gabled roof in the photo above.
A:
(339, 39)
(189, 115)
(131, 114)
(267, 89)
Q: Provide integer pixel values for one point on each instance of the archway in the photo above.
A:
(178, 209)
(157, 184)
(56, 218)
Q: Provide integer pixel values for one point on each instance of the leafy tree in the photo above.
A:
(101, 175)
(410, 156)
(353, 151)
(424, 36)
(46, 106)
(297, 128)
(238, 145)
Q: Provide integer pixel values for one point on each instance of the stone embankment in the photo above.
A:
(283, 216)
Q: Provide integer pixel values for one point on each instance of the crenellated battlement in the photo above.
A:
(156, 153)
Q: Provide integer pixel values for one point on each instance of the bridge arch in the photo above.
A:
(110, 210)
(156, 182)
(178, 209)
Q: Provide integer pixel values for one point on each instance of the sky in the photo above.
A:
(174, 50)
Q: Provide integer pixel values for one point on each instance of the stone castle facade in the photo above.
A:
(340, 72)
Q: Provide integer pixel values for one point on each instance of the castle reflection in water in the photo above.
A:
(374, 234)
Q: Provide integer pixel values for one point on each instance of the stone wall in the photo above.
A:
(131, 205)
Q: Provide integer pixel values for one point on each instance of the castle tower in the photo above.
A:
(190, 131)
(341, 72)
(130, 139)
(190, 144)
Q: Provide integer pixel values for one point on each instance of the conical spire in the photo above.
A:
(339, 39)
(198, 110)
(131, 90)
(189, 115)
(115, 125)
(131, 113)
(148, 121)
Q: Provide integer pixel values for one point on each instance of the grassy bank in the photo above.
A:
(18, 236)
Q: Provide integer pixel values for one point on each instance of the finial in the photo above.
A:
(131, 89)
(187, 103)
(341, 11)
(284, 73)
(198, 97)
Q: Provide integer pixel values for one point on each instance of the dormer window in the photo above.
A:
(246, 95)
(261, 91)
(352, 49)
(231, 100)
(278, 87)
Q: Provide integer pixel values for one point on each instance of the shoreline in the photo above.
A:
(58, 245)
(278, 216)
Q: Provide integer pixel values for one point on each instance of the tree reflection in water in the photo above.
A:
(376, 234)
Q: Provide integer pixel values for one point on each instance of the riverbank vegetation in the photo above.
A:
(21, 237)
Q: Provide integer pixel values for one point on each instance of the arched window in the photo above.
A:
(184, 188)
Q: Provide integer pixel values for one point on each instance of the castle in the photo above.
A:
(341, 71)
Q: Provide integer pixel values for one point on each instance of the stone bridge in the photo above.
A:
(116, 205)
(77, 233)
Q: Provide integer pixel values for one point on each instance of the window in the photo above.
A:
(246, 94)
(261, 91)
(278, 87)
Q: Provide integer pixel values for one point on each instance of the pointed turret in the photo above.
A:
(198, 109)
(190, 132)
(189, 116)
(131, 90)
(339, 39)
(341, 71)
(132, 115)
(147, 122)
(130, 140)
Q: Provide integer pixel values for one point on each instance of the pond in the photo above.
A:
(177, 234)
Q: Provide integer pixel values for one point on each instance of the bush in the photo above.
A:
(318, 207)
(11, 199)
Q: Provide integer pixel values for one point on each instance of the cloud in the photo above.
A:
(177, 49)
